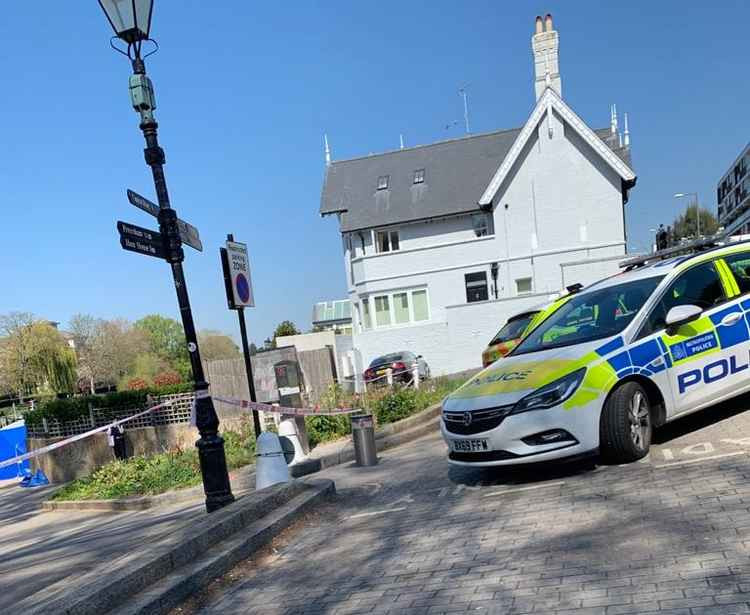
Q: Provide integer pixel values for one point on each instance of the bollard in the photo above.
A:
(415, 375)
(288, 428)
(270, 465)
(363, 437)
(389, 376)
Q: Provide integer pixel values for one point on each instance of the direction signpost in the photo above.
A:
(188, 233)
(141, 240)
(239, 287)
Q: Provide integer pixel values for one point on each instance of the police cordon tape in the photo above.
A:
(242, 403)
(77, 437)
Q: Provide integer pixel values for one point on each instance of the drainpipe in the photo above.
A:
(493, 270)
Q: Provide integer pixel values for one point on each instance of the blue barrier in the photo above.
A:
(12, 444)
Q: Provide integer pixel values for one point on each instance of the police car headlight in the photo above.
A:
(551, 394)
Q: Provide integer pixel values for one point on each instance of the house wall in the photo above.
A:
(558, 218)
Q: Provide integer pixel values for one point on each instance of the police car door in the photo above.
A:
(702, 368)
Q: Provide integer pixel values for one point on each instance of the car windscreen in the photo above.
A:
(513, 329)
(590, 316)
(388, 358)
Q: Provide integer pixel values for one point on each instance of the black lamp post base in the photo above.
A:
(214, 470)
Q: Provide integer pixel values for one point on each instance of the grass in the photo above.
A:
(178, 469)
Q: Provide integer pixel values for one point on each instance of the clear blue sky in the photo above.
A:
(246, 90)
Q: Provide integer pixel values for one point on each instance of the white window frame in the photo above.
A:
(390, 232)
(391, 308)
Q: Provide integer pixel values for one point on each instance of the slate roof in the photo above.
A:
(456, 174)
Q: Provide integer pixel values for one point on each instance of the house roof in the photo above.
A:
(458, 174)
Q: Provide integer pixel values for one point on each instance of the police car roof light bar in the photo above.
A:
(697, 245)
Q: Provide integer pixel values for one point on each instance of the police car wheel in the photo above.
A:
(625, 430)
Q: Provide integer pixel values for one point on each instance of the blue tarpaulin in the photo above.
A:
(13, 443)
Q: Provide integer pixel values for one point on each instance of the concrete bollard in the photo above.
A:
(415, 375)
(389, 376)
(270, 465)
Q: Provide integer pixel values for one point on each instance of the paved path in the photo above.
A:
(668, 535)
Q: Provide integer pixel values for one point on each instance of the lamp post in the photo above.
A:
(131, 22)
(682, 195)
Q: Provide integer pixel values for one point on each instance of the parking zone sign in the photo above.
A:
(239, 273)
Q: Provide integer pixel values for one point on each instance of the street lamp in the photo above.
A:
(682, 195)
(131, 21)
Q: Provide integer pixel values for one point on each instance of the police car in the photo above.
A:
(668, 336)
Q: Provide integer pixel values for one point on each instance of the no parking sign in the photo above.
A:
(239, 275)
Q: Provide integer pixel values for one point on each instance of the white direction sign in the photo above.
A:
(239, 271)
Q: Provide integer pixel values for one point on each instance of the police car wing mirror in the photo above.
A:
(681, 315)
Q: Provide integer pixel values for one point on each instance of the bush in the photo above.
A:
(395, 406)
(166, 379)
(136, 384)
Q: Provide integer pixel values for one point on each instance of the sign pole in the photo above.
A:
(210, 444)
(229, 285)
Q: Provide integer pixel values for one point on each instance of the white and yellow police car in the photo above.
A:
(666, 337)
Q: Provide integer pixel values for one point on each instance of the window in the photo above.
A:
(699, 286)
(590, 316)
(419, 176)
(419, 303)
(382, 311)
(383, 182)
(386, 241)
(476, 286)
(740, 266)
(523, 286)
(481, 224)
(513, 329)
(400, 308)
(367, 323)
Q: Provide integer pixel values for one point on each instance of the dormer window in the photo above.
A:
(419, 176)
(383, 182)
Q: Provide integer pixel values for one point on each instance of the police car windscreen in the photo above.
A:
(591, 316)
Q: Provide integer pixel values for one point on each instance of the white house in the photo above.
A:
(443, 242)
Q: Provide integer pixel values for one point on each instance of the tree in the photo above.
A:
(35, 356)
(686, 224)
(85, 328)
(16, 358)
(215, 345)
(285, 327)
(253, 349)
(166, 339)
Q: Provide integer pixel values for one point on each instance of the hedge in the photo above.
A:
(72, 408)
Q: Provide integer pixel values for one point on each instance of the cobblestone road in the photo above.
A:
(668, 535)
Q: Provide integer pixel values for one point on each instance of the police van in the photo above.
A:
(668, 336)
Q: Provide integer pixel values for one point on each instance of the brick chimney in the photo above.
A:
(545, 44)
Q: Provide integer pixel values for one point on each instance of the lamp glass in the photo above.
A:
(130, 19)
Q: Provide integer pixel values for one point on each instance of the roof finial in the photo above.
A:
(327, 150)
(627, 132)
(401, 141)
